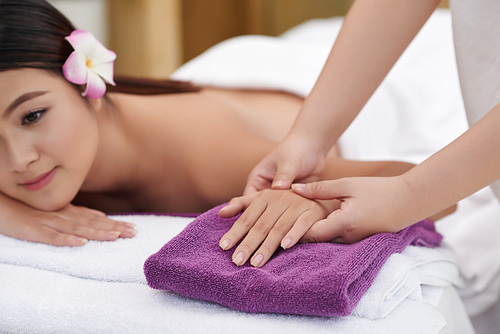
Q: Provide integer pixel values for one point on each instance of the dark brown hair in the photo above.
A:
(32, 36)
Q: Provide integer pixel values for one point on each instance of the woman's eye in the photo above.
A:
(32, 117)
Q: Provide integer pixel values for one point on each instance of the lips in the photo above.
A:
(40, 181)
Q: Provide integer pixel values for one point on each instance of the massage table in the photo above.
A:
(101, 288)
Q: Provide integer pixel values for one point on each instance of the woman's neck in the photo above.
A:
(117, 156)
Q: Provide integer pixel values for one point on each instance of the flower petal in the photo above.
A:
(105, 71)
(96, 87)
(75, 68)
(90, 63)
(102, 55)
(84, 41)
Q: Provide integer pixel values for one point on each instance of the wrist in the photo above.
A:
(310, 140)
(409, 204)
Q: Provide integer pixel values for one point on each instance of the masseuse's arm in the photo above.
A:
(371, 205)
(70, 226)
(372, 38)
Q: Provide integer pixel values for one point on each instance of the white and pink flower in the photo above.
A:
(91, 63)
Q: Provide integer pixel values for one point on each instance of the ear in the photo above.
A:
(96, 104)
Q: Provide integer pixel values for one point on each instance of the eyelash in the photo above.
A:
(39, 114)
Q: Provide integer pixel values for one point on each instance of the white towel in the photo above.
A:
(100, 287)
(39, 301)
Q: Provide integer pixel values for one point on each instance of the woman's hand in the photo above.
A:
(70, 226)
(272, 218)
(368, 205)
(293, 159)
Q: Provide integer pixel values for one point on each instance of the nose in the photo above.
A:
(21, 154)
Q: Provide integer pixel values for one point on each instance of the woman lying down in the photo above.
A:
(70, 151)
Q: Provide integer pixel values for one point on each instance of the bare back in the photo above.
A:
(191, 151)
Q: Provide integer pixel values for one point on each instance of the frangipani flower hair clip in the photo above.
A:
(91, 63)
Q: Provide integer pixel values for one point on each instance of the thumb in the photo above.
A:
(326, 230)
(285, 175)
(256, 184)
(327, 190)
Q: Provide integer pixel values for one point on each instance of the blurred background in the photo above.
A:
(152, 38)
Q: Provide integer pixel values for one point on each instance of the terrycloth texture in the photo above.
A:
(45, 302)
(101, 288)
(323, 279)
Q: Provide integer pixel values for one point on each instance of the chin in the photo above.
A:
(49, 203)
(52, 206)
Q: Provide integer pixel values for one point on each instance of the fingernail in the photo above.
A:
(129, 225)
(257, 260)
(278, 183)
(132, 231)
(298, 186)
(82, 241)
(224, 244)
(113, 234)
(238, 259)
(286, 243)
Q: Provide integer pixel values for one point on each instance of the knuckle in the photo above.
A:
(303, 223)
(55, 238)
(245, 248)
(116, 225)
(280, 228)
(265, 249)
(349, 233)
(244, 222)
(74, 228)
(285, 196)
(261, 227)
(266, 193)
(312, 237)
(317, 187)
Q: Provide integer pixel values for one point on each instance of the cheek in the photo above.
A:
(73, 139)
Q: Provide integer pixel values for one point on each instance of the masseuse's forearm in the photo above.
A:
(373, 36)
(468, 164)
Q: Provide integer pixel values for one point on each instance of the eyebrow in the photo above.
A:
(21, 99)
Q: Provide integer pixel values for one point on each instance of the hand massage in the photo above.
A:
(270, 184)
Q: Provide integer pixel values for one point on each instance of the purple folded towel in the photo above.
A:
(323, 279)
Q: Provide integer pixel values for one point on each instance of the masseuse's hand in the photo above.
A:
(272, 218)
(368, 205)
(293, 159)
(70, 226)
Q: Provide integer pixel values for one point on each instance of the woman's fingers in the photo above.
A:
(82, 231)
(267, 220)
(92, 224)
(243, 225)
(261, 233)
(74, 226)
(236, 205)
(37, 232)
(291, 220)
